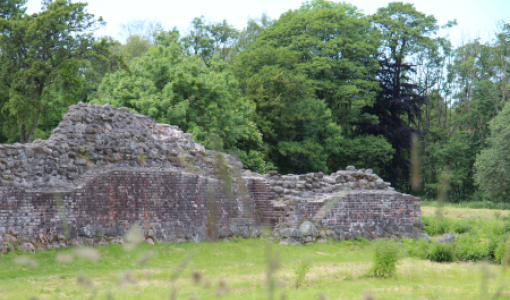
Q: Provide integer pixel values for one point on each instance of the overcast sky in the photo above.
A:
(476, 18)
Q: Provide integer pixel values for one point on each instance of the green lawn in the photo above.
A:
(238, 270)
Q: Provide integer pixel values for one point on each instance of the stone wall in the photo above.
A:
(91, 137)
(345, 205)
(104, 169)
(170, 206)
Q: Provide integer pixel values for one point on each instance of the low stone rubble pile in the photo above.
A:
(317, 185)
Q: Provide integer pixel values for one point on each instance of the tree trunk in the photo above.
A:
(30, 136)
(23, 133)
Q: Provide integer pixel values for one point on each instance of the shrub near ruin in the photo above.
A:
(385, 260)
(441, 253)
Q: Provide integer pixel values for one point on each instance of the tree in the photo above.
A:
(335, 48)
(207, 40)
(292, 121)
(249, 34)
(493, 163)
(309, 74)
(144, 29)
(10, 9)
(141, 35)
(178, 89)
(42, 53)
(397, 106)
(404, 34)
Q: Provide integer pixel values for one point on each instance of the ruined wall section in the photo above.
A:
(106, 169)
(169, 206)
(92, 136)
(346, 204)
(112, 169)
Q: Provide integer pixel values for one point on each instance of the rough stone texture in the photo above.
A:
(348, 212)
(27, 247)
(446, 239)
(104, 169)
(308, 229)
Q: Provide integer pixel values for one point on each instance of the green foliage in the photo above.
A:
(470, 247)
(474, 92)
(416, 248)
(385, 260)
(476, 240)
(441, 253)
(181, 90)
(362, 151)
(334, 47)
(300, 267)
(494, 227)
(309, 84)
(463, 226)
(435, 226)
(500, 252)
(404, 31)
(493, 242)
(473, 205)
(488, 205)
(207, 40)
(361, 241)
(134, 47)
(292, 121)
(492, 164)
(44, 59)
(140, 37)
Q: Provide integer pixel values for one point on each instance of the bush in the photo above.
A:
(493, 227)
(386, 257)
(416, 248)
(499, 253)
(492, 244)
(469, 247)
(435, 226)
(463, 226)
(301, 268)
(441, 253)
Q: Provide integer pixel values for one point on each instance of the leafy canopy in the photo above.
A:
(493, 163)
(179, 89)
(43, 59)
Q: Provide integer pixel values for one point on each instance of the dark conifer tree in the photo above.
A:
(393, 114)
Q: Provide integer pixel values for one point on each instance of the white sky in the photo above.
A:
(476, 18)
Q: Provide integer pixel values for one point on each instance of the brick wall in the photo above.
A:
(350, 214)
(173, 204)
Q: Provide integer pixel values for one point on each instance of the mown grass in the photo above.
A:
(472, 205)
(238, 270)
(455, 211)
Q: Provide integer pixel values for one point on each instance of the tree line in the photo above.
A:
(321, 87)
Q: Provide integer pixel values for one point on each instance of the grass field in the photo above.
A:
(239, 270)
(451, 211)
